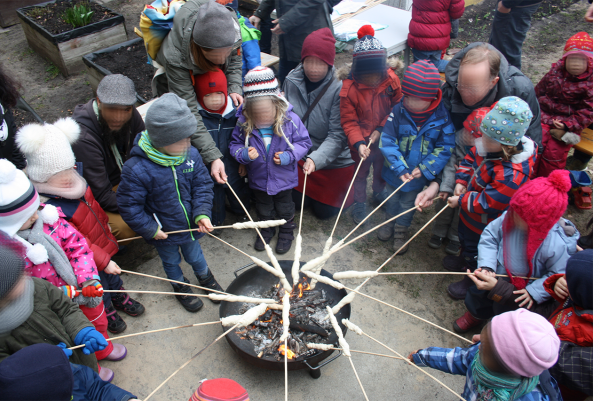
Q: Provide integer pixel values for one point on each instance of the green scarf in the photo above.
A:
(499, 387)
(156, 156)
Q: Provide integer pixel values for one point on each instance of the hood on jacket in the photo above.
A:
(528, 151)
(561, 65)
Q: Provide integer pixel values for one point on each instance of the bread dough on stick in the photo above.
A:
(239, 298)
(354, 274)
(338, 331)
(258, 224)
(324, 280)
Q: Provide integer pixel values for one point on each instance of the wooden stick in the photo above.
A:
(189, 361)
(153, 331)
(247, 213)
(227, 243)
(412, 364)
(302, 204)
(285, 358)
(358, 378)
(173, 281)
(458, 273)
(158, 293)
(368, 353)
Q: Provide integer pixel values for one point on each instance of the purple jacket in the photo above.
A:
(263, 174)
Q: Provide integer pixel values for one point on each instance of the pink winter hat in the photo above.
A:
(525, 342)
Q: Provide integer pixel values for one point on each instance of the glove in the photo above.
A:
(92, 339)
(93, 290)
(70, 291)
(63, 346)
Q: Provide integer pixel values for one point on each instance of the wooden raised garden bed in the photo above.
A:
(51, 38)
(127, 58)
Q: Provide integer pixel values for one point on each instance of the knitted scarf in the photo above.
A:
(18, 311)
(498, 387)
(157, 157)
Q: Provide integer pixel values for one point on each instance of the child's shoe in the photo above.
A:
(454, 263)
(209, 281)
(359, 212)
(116, 324)
(453, 248)
(459, 289)
(435, 242)
(286, 237)
(267, 234)
(400, 238)
(386, 231)
(190, 303)
(106, 374)
(466, 322)
(118, 353)
(379, 197)
(123, 302)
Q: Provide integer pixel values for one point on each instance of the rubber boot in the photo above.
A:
(286, 236)
(209, 281)
(386, 231)
(191, 304)
(466, 322)
(267, 234)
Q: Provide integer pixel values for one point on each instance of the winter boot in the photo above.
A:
(386, 231)
(435, 242)
(359, 212)
(123, 302)
(116, 324)
(458, 290)
(209, 281)
(453, 248)
(118, 353)
(400, 238)
(267, 234)
(190, 303)
(286, 236)
(379, 197)
(106, 374)
(466, 322)
(454, 263)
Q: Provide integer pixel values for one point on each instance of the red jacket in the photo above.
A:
(429, 27)
(571, 323)
(92, 222)
(363, 108)
(566, 98)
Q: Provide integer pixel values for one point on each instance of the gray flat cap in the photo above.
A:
(215, 27)
(116, 89)
(169, 120)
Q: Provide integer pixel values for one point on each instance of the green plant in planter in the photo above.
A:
(79, 15)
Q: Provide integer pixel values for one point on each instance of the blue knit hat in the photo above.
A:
(508, 121)
(369, 55)
(580, 278)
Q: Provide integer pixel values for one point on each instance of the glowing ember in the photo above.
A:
(305, 286)
(290, 354)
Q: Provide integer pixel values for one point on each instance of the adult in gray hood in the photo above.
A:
(205, 36)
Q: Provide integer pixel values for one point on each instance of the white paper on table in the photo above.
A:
(347, 30)
(348, 6)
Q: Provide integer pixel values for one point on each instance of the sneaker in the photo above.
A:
(454, 263)
(459, 289)
(379, 197)
(116, 324)
(435, 242)
(400, 238)
(359, 212)
(191, 304)
(209, 281)
(386, 231)
(118, 353)
(123, 302)
(466, 322)
(453, 248)
(106, 374)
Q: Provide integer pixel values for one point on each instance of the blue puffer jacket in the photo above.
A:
(220, 126)
(88, 386)
(404, 147)
(176, 195)
(263, 174)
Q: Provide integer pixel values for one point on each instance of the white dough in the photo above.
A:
(327, 254)
(266, 266)
(258, 224)
(323, 347)
(324, 280)
(352, 327)
(286, 316)
(238, 298)
(230, 320)
(275, 263)
(311, 264)
(344, 301)
(354, 274)
(296, 264)
(336, 246)
(338, 331)
(252, 314)
(327, 245)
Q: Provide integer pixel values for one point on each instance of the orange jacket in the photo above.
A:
(363, 108)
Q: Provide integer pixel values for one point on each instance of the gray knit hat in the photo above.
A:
(215, 27)
(12, 264)
(116, 89)
(169, 120)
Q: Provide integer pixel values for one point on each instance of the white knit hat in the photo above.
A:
(260, 81)
(18, 198)
(48, 147)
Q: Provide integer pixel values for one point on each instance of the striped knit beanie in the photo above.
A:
(220, 390)
(260, 81)
(422, 80)
(369, 55)
(12, 264)
(18, 198)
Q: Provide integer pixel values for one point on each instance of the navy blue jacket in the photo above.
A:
(176, 195)
(88, 386)
(220, 126)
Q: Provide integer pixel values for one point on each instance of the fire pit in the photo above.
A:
(259, 343)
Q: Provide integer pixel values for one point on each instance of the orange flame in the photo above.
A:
(300, 290)
(290, 353)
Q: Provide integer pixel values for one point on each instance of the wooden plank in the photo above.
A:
(268, 60)
(586, 145)
(44, 47)
(94, 77)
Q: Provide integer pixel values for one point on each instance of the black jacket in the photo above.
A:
(100, 168)
(8, 148)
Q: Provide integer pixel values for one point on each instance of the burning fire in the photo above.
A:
(303, 287)
(290, 353)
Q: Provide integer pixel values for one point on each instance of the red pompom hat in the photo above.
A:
(210, 82)
(320, 44)
(220, 390)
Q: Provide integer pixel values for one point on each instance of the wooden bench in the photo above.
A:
(586, 145)
(267, 60)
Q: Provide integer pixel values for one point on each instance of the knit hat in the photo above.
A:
(12, 264)
(215, 27)
(18, 198)
(473, 122)
(210, 82)
(37, 372)
(422, 80)
(531, 203)
(525, 342)
(260, 81)
(169, 120)
(220, 390)
(507, 121)
(48, 147)
(580, 278)
(369, 55)
(116, 90)
(320, 44)
(580, 43)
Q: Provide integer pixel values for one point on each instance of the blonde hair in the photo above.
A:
(509, 151)
(280, 115)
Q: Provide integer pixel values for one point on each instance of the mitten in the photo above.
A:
(70, 291)
(93, 290)
(571, 138)
(63, 346)
(92, 339)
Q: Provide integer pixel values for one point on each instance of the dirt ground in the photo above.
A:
(154, 357)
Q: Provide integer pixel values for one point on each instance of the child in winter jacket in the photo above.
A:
(166, 187)
(530, 240)
(566, 101)
(366, 100)
(430, 27)
(33, 310)
(270, 139)
(250, 46)
(500, 162)
(508, 362)
(56, 251)
(417, 142)
(219, 117)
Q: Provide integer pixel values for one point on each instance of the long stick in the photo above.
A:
(458, 273)
(247, 213)
(153, 331)
(412, 364)
(285, 358)
(302, 204)
(172, 281)
(157, 292)
(189, 361)
(358, 378)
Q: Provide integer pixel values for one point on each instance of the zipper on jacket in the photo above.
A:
(101, 225)
(179, 199)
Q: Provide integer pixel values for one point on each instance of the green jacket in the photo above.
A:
(55, 318)
(174, 55)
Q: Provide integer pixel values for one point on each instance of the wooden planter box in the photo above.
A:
(66, 49)
(8, 11)
(95, 72)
